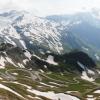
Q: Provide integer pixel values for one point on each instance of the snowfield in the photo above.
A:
(53, 96)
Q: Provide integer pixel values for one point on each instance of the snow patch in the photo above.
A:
(85, 48)
(98, 71)
(21, 65)
(97, 91)
(50, 60)
(91, 72)
(55, 83)
(45, 67)
(71, 91)
(23, 44)
(10, 61)
(91, 99)
(47, 85)
(29, 87)
(53, 96)
(97, 57)
(85, 77)
(2, 62)
(25, 61)
(27, 34)
(31, 42)
(27, 54)
(15, 73)
(81, 65)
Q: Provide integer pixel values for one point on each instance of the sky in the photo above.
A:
(50, 7)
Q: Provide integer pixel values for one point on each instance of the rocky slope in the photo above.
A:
(74, 62)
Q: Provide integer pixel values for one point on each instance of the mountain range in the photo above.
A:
(46, 49)
(59, 34)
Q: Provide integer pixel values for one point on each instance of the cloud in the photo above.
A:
(47, 7)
